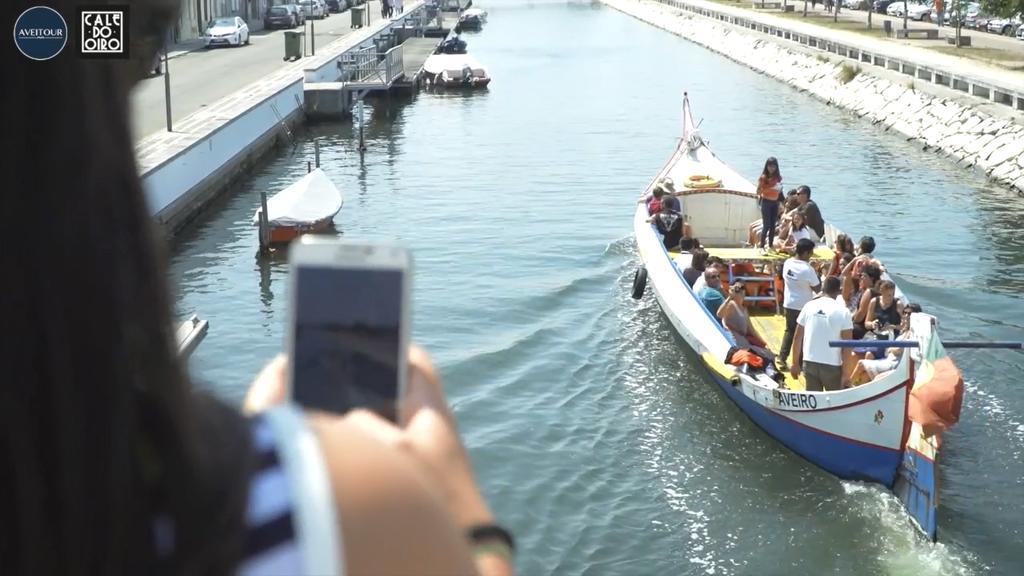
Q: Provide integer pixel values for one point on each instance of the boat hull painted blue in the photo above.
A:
(917, 487)
(845, 458)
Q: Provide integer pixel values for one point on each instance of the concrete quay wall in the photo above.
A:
(972, 130)
(182, 171)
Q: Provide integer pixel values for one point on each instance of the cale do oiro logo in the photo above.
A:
(40, 33)
(104, 31)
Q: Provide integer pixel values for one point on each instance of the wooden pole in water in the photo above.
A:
(362, 143)
(316, 151)
(264, 223)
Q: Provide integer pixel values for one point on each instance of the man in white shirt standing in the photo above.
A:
(801, 284)
(822, 319)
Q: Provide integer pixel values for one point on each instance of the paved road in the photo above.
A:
(204, 76)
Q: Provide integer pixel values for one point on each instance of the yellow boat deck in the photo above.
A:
(771, 327)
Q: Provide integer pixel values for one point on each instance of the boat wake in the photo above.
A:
(900, 548)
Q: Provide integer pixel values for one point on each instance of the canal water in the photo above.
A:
(603, 446)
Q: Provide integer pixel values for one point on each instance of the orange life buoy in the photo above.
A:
(702, 181)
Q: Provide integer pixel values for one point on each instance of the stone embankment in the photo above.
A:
(951, 125)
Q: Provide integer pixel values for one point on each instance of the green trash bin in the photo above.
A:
(358, 16)
(292, 45)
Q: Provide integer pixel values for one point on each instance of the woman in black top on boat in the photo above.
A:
(670, 224)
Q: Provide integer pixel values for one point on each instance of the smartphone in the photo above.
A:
(349, 324)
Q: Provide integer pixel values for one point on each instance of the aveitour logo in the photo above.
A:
(40, 33)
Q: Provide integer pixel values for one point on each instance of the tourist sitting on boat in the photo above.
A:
(885, 310)
(864, 254)
(713, 263)
(669, 223)
(712, 295)
(870, 367)
(796, 231)
(735, 318)
(687, 244)
(801, 283)
(822, 319)
(810, 210)
(786, 209)
(769, 188)
(858, 294)
(656, 197)
(698, 263)
(842, 254)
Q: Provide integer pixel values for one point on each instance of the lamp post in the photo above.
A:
(167, 85)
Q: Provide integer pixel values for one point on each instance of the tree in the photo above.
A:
(1003, 8)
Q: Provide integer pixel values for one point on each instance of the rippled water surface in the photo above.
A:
(600, 442)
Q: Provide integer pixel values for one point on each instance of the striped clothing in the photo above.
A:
(270, 546)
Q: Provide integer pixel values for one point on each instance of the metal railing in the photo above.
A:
(367, 66)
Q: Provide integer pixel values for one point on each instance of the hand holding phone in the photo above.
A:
(349, 328)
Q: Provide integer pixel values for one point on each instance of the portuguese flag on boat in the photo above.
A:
(933, 407)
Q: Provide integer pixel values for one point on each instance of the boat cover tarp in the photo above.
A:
(453, 65)
(311, 199)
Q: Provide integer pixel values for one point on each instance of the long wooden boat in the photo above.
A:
(860, 433)
(306, 206)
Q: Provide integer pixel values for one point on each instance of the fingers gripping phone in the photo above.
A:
(349, 329)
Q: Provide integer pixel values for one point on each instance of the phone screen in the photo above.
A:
(347, 338)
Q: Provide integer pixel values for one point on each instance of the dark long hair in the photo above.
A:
(101, 431)
(771, 161)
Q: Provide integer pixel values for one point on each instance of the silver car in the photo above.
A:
(313, 9)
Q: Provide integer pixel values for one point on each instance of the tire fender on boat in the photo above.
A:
(639, 283)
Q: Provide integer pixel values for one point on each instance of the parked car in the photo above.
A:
(967, 11)
(297, 13)
(229, 31)
(1005, 26)
(854, 4)
(920, 12)
(880, 6)
(915, 10)
(336, 5)
(979, 22)
(279, 17)
(313, 9)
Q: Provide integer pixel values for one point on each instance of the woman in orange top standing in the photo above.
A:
(769, 189)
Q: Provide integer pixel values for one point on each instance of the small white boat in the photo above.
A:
(455, 71)
(308, 205)
(189, 334)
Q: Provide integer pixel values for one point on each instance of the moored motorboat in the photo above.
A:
(472, 19)
(455, 71)
(863, 433)
(306, 206)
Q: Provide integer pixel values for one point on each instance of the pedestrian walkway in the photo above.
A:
(791, 26)
(200, 77)
(817, 14)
